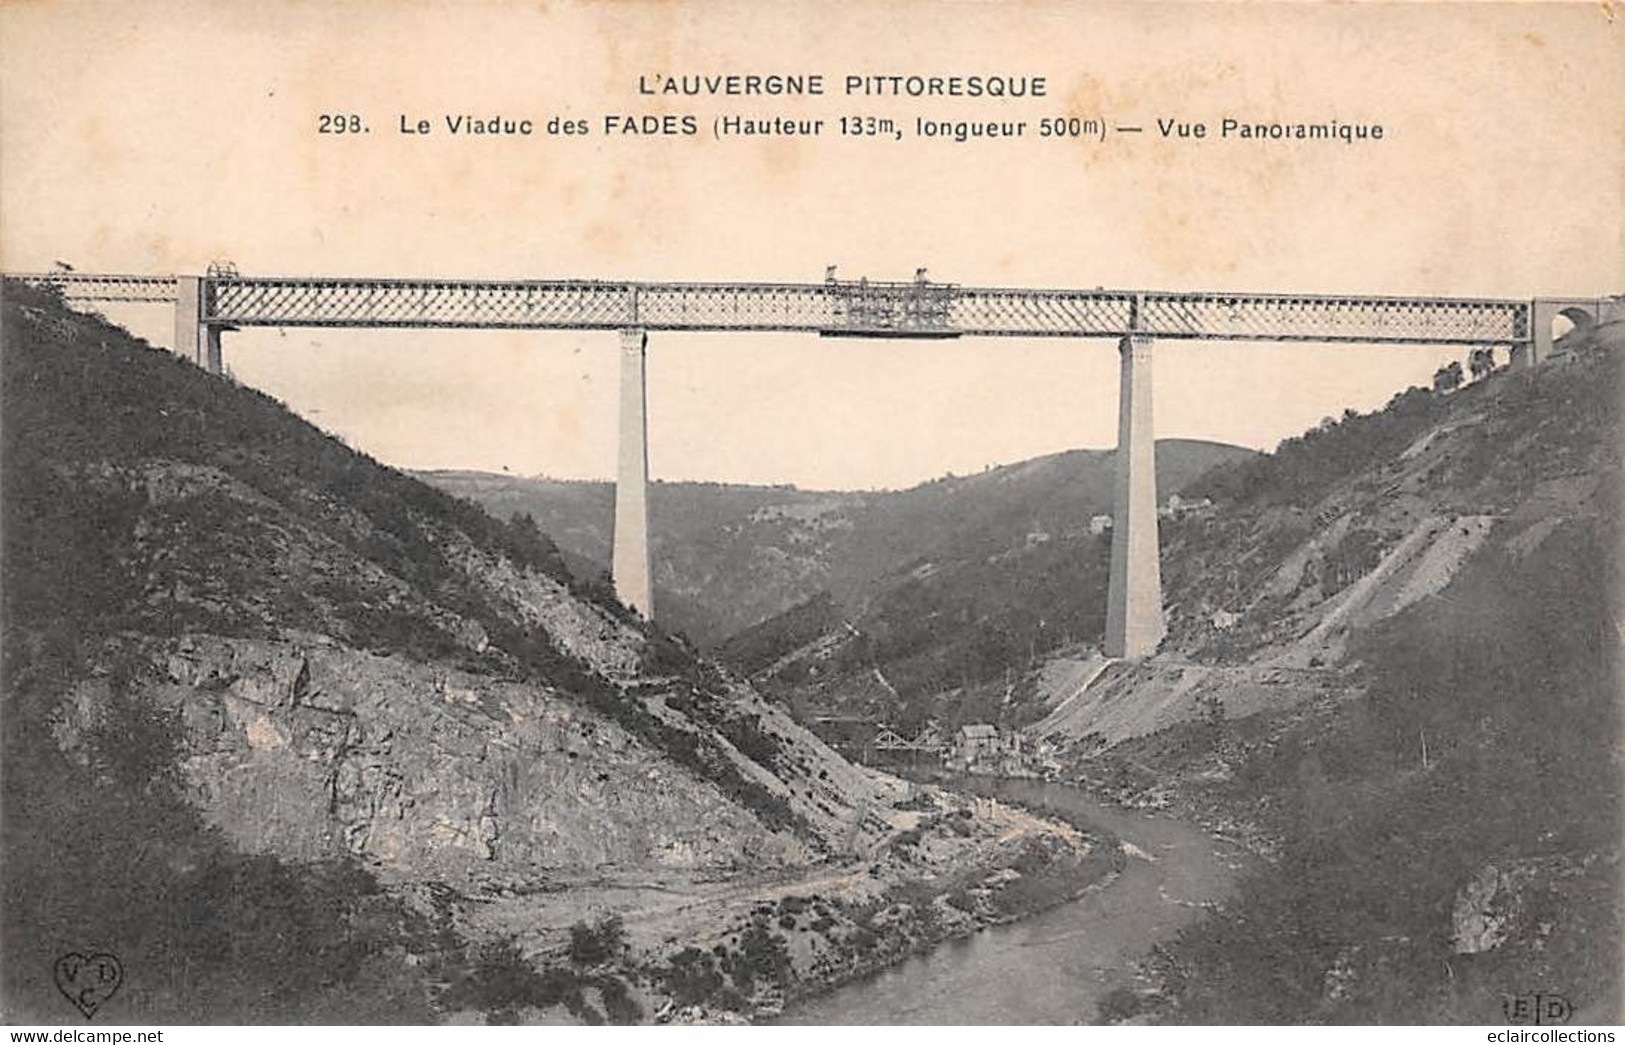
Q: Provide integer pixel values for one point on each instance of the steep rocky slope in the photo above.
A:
(1350, 525)
(366, 644)
(729, 557)
(1393, 668)
(1391, 671)
(284, 729)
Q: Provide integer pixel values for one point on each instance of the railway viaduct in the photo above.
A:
(207, 306)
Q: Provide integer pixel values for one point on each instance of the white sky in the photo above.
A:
(159, 137)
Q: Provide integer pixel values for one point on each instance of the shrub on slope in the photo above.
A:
(144, 500)
(1484, 747)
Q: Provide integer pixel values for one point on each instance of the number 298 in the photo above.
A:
(339, 123)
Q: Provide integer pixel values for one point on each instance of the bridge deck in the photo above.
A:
(838, 308)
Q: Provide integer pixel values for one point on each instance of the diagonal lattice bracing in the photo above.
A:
(1268, 317)
(1057, 313)
(402, 303)
(90, 287)
(853, 308)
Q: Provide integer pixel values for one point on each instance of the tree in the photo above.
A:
(592, 945)
(1447, 378)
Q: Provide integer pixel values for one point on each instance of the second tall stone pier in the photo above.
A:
(629, 561)
(1134, 620)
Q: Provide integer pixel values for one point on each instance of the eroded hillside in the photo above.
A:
(1393, 669)
(283, 728)
(1349, 525)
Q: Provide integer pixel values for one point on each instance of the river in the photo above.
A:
(1054, 967)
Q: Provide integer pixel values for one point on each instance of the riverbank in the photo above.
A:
(1062, 964)
(683, 950)
(917, 916)
(914, 901)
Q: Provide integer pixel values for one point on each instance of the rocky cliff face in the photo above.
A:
(1392, 668)
(531, 738)
(1346, 528)
(309, 750)
(234, 645)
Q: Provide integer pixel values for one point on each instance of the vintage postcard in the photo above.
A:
(853, 513)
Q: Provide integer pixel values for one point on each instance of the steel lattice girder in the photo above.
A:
(834, 308)
(84, 286)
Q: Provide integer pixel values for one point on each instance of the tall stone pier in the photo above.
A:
(630, 558)
(1134, 621)
(195, 339)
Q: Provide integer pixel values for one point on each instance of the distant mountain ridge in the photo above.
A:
(1391, 671)
(727, 557)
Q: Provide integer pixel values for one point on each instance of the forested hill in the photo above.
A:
(263, 696)
(1393, 667)
(727, 557)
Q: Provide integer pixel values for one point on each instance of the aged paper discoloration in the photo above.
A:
(1421, 151)
(188, 133)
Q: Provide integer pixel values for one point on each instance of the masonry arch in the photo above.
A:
(1556, 318)
(1571, 320)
